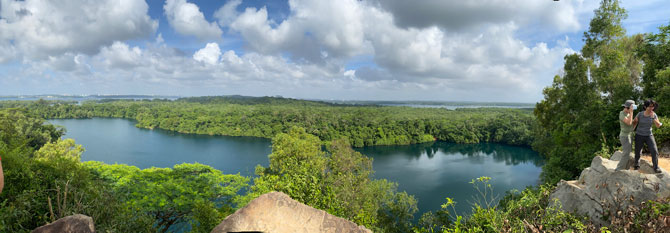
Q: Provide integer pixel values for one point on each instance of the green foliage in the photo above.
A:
(18, 129)
(578, 116)
(269, 116)
(604, 27)
(62, 148)
(175, 195)
(337, 181)
(206, 216)
(573, 125)
(528, 211)
(52, 184)
(655, 53)
(438, 221)
(46, 181)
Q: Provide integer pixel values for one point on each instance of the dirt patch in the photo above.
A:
(663, 162)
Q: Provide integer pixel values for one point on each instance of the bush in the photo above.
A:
(337, 181)
(526, 211)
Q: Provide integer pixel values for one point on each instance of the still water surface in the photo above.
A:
(429, 171)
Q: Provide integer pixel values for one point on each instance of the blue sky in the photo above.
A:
(494, 50)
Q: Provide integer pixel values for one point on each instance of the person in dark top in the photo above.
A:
(643, 135)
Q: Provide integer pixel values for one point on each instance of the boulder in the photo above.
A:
(277, 212)
(602, 191)
(77, 223)
(617, 156)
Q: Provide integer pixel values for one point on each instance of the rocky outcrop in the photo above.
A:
(71, 224)
(602, 191)
(277, 212)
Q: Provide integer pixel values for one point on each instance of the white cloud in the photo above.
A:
(308, 55)
(39, 29)
(316, 30)
(326, 32)
(120, 55)
(227, 13)
(7, 51)
(187, 19)
(209, 54)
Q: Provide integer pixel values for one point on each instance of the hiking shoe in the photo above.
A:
(636, 167)
(657, 170)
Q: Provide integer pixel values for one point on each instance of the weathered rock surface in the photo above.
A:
(77, 223)
(664, 148)
(277, 212)
(601, 190)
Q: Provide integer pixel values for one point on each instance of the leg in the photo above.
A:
(638, 149)
(651, 144)
(626, 148)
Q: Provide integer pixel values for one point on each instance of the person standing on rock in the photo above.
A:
(626, 123)
(644, 120)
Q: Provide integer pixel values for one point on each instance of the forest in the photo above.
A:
(575, 121)
(268, 116)
(578, 117)
(46, 181)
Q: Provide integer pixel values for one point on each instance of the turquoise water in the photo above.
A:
(113, 140)
(434, 171)
(429, 171)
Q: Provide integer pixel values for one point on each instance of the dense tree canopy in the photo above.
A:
(269, 116)
(578, 116)
(45, 180)
(336, 180)
(175, 195)
(313, 162)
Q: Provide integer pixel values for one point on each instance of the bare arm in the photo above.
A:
(657, 122)
(629, 119)
(635, 121)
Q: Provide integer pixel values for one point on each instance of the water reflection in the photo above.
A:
(510, 155)
(430, 171)
(433, 171)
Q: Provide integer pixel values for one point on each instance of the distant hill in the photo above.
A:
(251, 100)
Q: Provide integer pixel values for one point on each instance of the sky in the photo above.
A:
(443, 50)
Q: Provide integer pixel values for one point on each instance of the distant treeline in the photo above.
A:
(268, 116)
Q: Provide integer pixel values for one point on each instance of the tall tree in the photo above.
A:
(656, 77)
(570, 113)
(337, 181)
(578, 112)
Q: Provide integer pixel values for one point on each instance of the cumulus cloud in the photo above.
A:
(316, 30)
(308, 54)
(435, 54)
(39, 29)
(209, 54)
(120, 55)
(187, 19)
(227, 13)
(471, 15)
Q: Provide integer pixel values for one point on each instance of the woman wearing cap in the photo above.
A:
(626, 123)
(643, 135)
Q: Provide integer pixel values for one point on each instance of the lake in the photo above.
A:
(430, 171)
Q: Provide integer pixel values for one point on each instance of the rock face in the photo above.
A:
(277, 212)
(601, 191)
(71, 224)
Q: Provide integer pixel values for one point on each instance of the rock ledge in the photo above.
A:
(77, 223)
(277, 212)
(601, 190)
